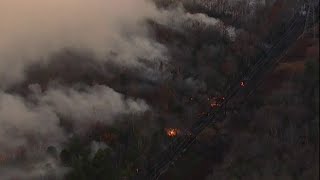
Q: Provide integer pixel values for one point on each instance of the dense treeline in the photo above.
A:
(278, 136)
(269, 138)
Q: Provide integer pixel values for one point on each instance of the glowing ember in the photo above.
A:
(216, 102)
(172, 132)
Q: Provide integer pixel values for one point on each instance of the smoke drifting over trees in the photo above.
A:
(87, 87)
(54, 55)
(31, 31)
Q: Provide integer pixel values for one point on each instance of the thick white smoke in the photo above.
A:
(97, 103)
(32, 30)
(181, 20)
(22, 120)
(33, 123)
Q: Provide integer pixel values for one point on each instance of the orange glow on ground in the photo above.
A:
(172, 132)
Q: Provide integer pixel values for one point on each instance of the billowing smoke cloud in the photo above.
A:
(33, 123)
(111, 30)
(33, 30)
(97, 103)
(178, 18)
(22, 120)
(181, 20)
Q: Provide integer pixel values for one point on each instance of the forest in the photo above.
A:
(96, 90)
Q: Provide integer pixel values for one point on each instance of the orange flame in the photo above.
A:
(172, 132)
(214, 104)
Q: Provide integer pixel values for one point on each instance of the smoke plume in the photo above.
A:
(33, 30)
(115, 31)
